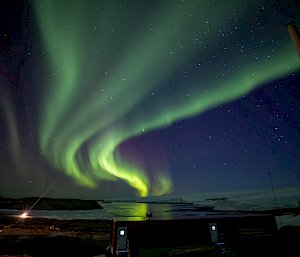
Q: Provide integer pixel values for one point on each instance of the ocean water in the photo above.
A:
(119, 210)
(187, 206)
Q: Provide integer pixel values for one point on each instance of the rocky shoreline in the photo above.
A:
(51, 237)
(45, 203)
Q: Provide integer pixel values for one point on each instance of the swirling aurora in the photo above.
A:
(116, 70)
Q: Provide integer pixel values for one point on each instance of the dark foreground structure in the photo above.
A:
(215, 235)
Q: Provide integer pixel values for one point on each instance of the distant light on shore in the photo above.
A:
(24, 215)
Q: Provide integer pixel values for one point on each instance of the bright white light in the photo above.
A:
(24, 215)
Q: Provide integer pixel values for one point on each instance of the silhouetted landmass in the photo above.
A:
(280, 211)
(273, 211)
(217, 199)
(48, 204)
(164, 201)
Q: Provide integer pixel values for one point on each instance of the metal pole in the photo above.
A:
(273, 189)
(275, 198)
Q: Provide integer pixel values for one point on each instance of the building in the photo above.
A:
(239, 234)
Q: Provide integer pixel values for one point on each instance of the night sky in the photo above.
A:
(103, 99)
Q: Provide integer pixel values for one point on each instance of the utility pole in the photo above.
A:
(275, 198)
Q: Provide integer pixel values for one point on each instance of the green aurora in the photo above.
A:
(117, 72)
